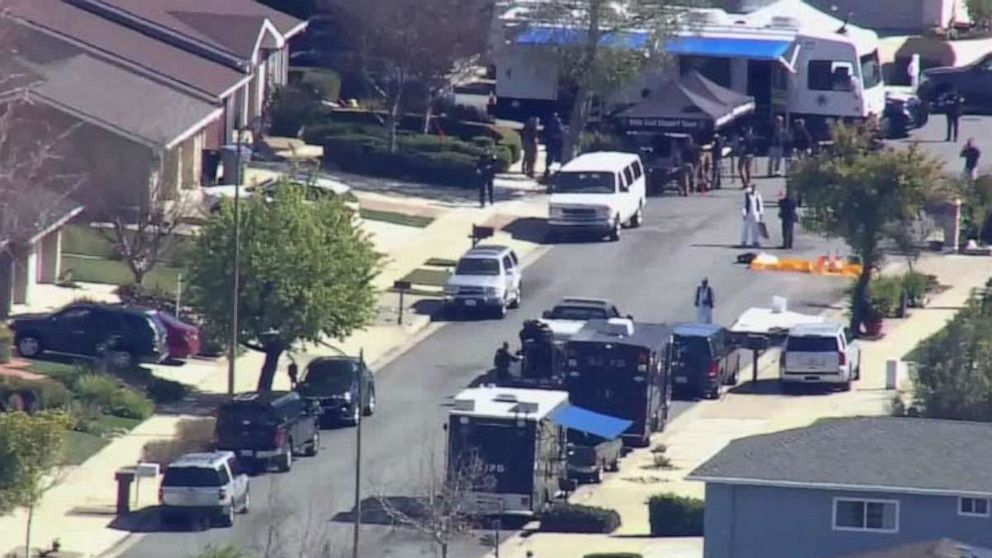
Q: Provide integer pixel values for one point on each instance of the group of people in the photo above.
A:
(553, 134)
(753, 212)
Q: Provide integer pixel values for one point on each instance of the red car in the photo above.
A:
(183, 339)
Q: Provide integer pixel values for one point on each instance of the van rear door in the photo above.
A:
(812, 354)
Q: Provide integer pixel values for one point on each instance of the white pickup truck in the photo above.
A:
(821, 353)
(568, 316)
(204, 485)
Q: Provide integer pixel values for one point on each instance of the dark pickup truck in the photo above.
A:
(268, 428)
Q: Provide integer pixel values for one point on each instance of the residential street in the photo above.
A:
(651, 273)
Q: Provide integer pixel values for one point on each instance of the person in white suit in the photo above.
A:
(752, 212)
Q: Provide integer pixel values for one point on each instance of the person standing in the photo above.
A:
(718, 146)
(554, 137)
(752, 212)
(970, 154)
(953, 105)
(704, 302)
(503, 359)
(802, 140)
(746, 157)
(787, 213)
(776, 146)
(486, 169)
(690, 164)
(528, 139)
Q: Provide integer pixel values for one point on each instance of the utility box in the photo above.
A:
(124, 479)
(895, 372)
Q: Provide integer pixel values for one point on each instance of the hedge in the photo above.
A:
(575, 518)
(671, 515)
(34, 395)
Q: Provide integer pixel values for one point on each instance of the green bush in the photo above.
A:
(886, 294)
(161, 390)
(917, 285)
(6, 344)
(575, 518)
(511, 139)
(97, 390)
(323, 82)
(367, 156)
(35, 395)
(671, 515)
(129, 403)
(293, 108)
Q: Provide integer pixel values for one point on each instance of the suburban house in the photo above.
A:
(843, 486)
(943, 548)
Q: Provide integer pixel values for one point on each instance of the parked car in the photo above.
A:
(182, 339)
(972, 81)
(333, 382)
(123, 334)
(204, 485)
(820, 354)
(266, 428)
(589, 456)
(703, 359)
(486, 277)
(600, 193)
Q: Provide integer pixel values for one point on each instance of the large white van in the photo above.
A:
(599, 192)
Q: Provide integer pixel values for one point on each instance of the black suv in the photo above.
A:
(703, 359)
(334, 383)
(266, 428)
(123, 334)
(973, 82)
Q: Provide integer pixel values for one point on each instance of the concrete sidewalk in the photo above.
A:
(749, 409)
(79, 509)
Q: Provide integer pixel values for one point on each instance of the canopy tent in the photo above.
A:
(589, 422)
(729, 47)
(691, 103)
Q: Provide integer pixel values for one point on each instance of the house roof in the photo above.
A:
(943, 548)
(155, 114)
(26, 216)
(883, 454)
(141, 53)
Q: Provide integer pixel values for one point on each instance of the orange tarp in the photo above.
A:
(821, 266)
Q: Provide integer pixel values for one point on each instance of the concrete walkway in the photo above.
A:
(701, 432)
(79, 509)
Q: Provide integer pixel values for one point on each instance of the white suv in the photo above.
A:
(598, 192)
(486, 277)
(204, 485)
(820, 354)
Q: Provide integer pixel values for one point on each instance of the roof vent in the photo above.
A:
(467, 405)
(505, 398)
(619, 327)
(784, 22)
(525, 408)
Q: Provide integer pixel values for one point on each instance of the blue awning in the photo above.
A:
(587, 421)
(570, 36)
(726, 47)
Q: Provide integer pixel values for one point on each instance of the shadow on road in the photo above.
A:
(773, 387)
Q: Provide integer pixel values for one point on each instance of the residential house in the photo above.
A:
(843, 486)
(943, 548)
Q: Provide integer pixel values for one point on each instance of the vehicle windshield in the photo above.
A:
(330, 376)
(585, 183)
(871, 71)
(812, 345)
(191, 476)
(578, 313)
(691, 350)
(477, 266)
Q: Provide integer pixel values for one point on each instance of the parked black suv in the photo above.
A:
(973, 82)
(334, 383)
(266, 428)
(703, 359)
(124, 334)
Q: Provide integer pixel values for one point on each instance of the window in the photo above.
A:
(637, 170)
(828, 75)
(585, 183)
(866, 515)
(628, 176)
(477, 266)
(507, 263)
(974, 507)
(871, 70)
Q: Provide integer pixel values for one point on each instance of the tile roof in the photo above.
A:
(142, 52)
(876, 453)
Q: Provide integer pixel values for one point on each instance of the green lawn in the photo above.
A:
(83, 240)
(418, 221)
(80, 446)
(429, 277)
(97, 270)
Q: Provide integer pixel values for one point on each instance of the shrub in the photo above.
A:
(129, 403)
(161, 390)
(33, 395)
(917, 285)
(322, 82)
(886, 294)
(97, 389)
(192, 435)
(511, 138)
(6, 343)
(575, 518)
(292, 108)
(671, 515)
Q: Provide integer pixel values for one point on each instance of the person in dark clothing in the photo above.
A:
(970, 153)
(554, 138)
(787, 213)
(776, 146)
(528, 139)
(802, 140)
(486, 169)
(503, 359)
(953, 105)
(690, 166)
(746, 156)
(718, 145)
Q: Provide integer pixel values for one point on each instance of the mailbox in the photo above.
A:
(402, 285)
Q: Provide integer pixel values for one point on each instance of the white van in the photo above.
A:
(599, 192)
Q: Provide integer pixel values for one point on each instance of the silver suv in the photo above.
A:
(486, 277)
(201, 485)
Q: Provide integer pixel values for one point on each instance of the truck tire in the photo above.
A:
(28, 345)
(226, 518)
(846, 386)
(246, 506)
(637, 219)
(615, 229)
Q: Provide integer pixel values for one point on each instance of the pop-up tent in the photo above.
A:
(688, 104)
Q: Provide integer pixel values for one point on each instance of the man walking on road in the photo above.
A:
(953, 105)
(486, 169)
(787, 213)
(752, 212)
(704, 302)
(970, 153)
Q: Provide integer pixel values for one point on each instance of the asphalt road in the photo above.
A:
(650, 273)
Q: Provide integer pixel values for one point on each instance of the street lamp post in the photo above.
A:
(235, 283)
(358, 461)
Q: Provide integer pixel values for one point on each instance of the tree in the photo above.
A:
(306, 273)
(600, 52)
(30, 446)
(400, 44)
(980, 12)
(864, 196)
